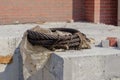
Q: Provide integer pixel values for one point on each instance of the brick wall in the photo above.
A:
(79, 10)
(35, 10)
(97, 11)
(108, 11)
(89, 10)
(23, 11)
(12, 11)
(101, 11)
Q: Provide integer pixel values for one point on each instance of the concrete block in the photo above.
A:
(112, 41)
(105, 43)
(95, 64)
(53, 69)
(112, 66)
(37, 76)
(10, 38)
(9, 47)
(118, 43)
(10, 71)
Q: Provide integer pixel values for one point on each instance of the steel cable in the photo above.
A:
(51, 41)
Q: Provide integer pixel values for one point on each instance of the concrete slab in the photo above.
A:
(105, 43)
(94, 64)
(10, 37)
(118, 43)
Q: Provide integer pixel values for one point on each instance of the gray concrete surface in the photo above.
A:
(10, 37)
(118, 43)
(93, 64)
(105, 43)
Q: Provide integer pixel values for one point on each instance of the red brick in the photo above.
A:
(112, 41)
(103, 11)
(108, 11)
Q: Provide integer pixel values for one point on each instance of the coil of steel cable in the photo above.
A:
(53, 41)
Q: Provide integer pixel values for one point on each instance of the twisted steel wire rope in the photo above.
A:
(56, 41)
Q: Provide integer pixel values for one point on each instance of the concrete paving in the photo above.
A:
(93, 64)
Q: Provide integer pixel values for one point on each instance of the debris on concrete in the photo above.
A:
(112, 41)
(105, 43)
(92, 40)
(6, 59)
(70, 21)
